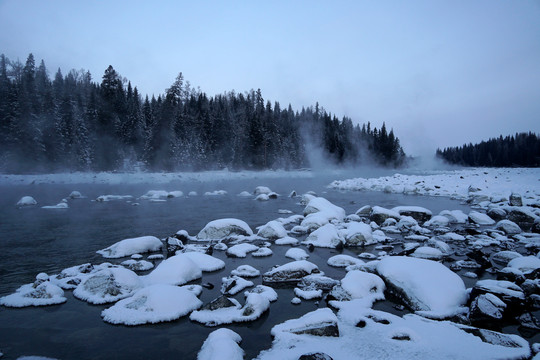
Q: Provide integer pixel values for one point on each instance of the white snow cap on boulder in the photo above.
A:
(272, 230)
(40, 293)
(26, 201)
(480, 219)
(428, 286)
(128, 247)
(108, 285)
(176, 270)
(222, 228)
(319, 204)
(153, 304)
(221, 344)
(326, 236)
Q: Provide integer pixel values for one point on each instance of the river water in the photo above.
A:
(34, 240)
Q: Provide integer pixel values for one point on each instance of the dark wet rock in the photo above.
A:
(361, 324)
(417, 213)
(219, 303)
(529, 321)
(494, 338)
(530, 287)
(512, 275)
(208, 286)
(209, 250)
(486, 309)
(472, 231)
(379, 215)
(533, 302)
(511, 294)
(315, 356)
(496, 214)
(480, 257)
(536, 226)
(515, 200)
(502, 258)
(402, 337)
(322, 329)
(522, 217)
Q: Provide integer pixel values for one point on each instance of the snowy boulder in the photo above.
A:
(343, 260)
(427, 252)
(509, 227)
(262, 252)
(204, 261)
(321, 322)
(296, 254)
(221, 344)
(60, 205)
(75, 195)
(71, 277)
(246, 271)
(263, 290)
(241, 250)
(108, 285)
(525, 264)
(254, 307)
(224, 228)
(215, 193)
(357, 234)
(502, 258)
(359, 285)
(486, 308)
(326, 236)
(137, 265)
(26, 201)
(318, 282)
(291, 272)
(232, 285)
(424, 285)
(40, 293)
(364, 211)
(262, 190)
(262, 197)
(272, 230)
(176, 270)
(522, 216)
(151, 305)
(308, 294)
(128, 247)
(437, 220)
(479, 218)
(511, 294)
(320, 204)
(455, 216)
(107, 198)
(380, 214)
(418, 213)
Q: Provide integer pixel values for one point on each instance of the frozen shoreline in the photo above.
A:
(458, 184)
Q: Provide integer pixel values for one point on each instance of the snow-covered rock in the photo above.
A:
(291, 272)
(480, 218)
(427, 252)
(60, 205)
(72, 276)
(215, 193)
(317, 281)
(221, 344)
(246, 271)
(287, 241)
(152, 304)
(525, 263)
(308, 294)
(262, 197)
(263, 290)
(40, 293)
(418, 213)
(272, 230)
(128, 247)
(176, 270)
(509, 227)
(357, 234)
(137, 265)
(232, 285)
(223, 228)
(455, 216)
(362, 285)
(75, 195)
(296, 254)
(326, 236)
(320, 204)
(241, 250)
(108, 285)
(321, 322)
(437, 220)
(262, 252)
(255, 306)
(204, 261)
(262, 190)
(424, 285)
(343, 260)
(486, 308)
(107, 198)
(26, 201)
(380, 214)
(502, 258)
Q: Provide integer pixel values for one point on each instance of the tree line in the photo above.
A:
(519, 150)
(73, 123)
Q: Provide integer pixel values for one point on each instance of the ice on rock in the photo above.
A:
(287, 241)
(232, 285)
(296, 254)
(246, 271)
(224, 228)
(27, 201)
(152, 304)
(272, 230)
(262, 252)
(290, 272)
(42, 292)
(343, 260)
(525, 264)
(204, 261)
(108, 285)
(427, 252)
(176, 270)
(254, 307)
(426, 286)
(480, 218)
(437, 220)
(263, 290)
(138, 265)
(221, 344)
(326, 236)
(128, 247)
(357, 233)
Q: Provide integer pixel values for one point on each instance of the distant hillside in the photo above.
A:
(522, 150)
(74, 123)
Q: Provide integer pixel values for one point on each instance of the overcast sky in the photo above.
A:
(441, 73)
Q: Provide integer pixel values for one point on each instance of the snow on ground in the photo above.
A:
(221, 344)
(145, 178)
(128, 247)
(495, 183)
(152, 304)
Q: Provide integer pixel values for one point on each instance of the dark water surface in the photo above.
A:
(34, 240)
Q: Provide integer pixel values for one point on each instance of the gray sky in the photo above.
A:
(441, 73)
